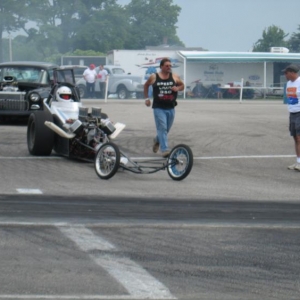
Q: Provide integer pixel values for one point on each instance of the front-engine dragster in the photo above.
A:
(71, 130)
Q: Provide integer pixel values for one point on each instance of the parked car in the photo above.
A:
(123, 85)
(23, 86)
(78, 70)
(275, 90)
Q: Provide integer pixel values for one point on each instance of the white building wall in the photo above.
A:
(136, 62)
(224, 73)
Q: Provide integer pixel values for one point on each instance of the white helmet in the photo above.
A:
(63, 94)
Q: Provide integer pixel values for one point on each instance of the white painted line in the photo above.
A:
(158, 157)
(137, 281)
(30, 157)
(29, 191)
(86, 239)
(71, 297)
(167, 224)
(219, 157)
(244, 156)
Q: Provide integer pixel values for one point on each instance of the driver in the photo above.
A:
(64, 94)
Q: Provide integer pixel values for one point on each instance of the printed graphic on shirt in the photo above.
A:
(291, 93)
(165, 90)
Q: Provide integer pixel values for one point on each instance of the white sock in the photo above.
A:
(298, 160)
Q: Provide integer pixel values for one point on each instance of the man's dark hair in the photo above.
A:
(162, 62)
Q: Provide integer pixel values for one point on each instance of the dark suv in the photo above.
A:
(23, 86)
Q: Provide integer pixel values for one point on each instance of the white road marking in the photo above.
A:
(221, 157)
(85, 239)
(71, 297)
(30, 157)
(157, 157)
(29, 191)
(137, 281)
(166, 224)
(244, 156)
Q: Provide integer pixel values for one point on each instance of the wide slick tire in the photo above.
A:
(107, 160)
(180, 162)
(40, 139)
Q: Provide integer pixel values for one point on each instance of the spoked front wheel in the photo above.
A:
(180, 162)
(107, 160)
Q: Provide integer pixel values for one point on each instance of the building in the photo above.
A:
(261, 70)
(83, 60)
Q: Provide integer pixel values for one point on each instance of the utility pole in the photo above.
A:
(10, 49)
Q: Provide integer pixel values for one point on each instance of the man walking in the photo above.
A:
(165, 86)
(293, 98)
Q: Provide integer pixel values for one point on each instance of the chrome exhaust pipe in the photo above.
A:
(59, 131)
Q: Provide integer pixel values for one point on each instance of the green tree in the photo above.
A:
(294, 41)
(60, 26)
(105, 30)
(63, 25)
(22, 50)
(152, 22)
(13, 17)
(273, 36)
(56, 58)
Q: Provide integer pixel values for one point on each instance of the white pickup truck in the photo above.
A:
(123, 85)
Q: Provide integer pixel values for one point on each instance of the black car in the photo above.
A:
(78, 70)
(23, 86)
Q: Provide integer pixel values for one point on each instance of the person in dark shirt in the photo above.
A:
(165, 86)
(248, 92)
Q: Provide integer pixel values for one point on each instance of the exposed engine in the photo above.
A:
(9, 84)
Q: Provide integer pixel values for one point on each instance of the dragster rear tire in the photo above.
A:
(40, 139)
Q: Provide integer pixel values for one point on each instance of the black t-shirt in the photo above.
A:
(163, 96)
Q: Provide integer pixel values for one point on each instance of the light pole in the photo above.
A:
(10, 49)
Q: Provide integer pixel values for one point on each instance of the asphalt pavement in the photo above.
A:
(228, 231)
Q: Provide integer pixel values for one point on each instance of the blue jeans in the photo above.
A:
(90, 90)
(163, 120)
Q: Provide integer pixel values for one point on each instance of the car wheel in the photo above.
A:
(122, 92)
(82, 90)
(40, 139)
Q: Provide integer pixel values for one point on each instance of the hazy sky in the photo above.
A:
(232, 25)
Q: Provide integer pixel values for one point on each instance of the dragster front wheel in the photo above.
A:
(107, 160)
(180, 162)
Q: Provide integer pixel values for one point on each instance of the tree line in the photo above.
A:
(63, 26)
(48, 29)
(274, 36)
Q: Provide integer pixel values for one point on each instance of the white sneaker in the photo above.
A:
(295, 166)
(123, 160)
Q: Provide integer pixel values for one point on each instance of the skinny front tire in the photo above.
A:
(180, 162)
(107, 160)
